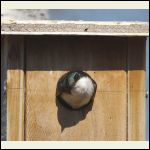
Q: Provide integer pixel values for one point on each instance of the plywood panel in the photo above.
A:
(57, 123)
(104, 58)
(109, 113)
(136, 88)
(60, 53)
(111, 81)
(15, 88)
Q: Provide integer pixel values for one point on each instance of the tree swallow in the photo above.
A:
(76, 89)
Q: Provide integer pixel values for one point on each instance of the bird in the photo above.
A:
(76, 89)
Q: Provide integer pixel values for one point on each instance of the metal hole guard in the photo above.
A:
(64, 87)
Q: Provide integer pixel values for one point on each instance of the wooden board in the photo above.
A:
(104, 58)
(15, 114)
(136, 88)
(89, 28)
(15, 88)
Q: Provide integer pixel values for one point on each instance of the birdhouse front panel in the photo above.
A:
(49, 57)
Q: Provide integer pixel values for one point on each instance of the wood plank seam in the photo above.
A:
(127, 94)
(25, 85)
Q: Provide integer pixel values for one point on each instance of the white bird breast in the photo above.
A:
(81, 93)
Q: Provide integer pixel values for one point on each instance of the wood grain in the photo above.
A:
(43, 114)
(15, 114)
(50, 57)
(136, 88)
(109, 115)
(137, 115)
(15, 88)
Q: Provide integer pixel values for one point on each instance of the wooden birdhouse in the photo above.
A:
(38, 53)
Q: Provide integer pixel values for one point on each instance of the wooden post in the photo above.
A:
(14, 45)
(136, 88)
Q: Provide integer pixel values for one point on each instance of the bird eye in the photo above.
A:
(76, 77)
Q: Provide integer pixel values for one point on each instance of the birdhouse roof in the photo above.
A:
(88, 28)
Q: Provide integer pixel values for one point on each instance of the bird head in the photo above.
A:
(73, 78)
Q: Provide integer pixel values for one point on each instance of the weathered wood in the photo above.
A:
(137, 116)
(136, 88)
(75, 28)
(15, 88)
(109, 115)
(3, 88)
(47, 59)
(35, 64)
(15, 114)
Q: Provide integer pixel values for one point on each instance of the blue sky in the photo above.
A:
(100, 15)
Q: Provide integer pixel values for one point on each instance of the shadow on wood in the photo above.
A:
(68, 118)
(63, 53)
